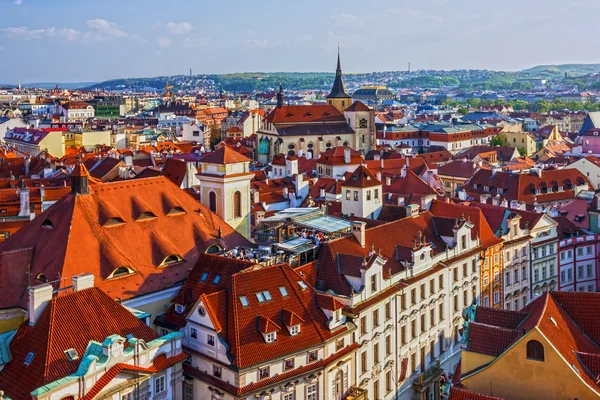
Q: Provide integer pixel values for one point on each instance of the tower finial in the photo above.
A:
(280, 94)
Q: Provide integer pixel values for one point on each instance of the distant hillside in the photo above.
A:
(580, 75)
(558, 71)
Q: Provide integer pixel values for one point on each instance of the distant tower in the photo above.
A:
(19, 84)
(280, 95)
(409, 67)
(338, 96)
(225, 187)
(190, 72)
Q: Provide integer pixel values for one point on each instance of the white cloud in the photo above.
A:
(17, 2)
(164, 42)
(102, 29)
(344, 19)
(265, 43)
(190, 42)
(175, 28)
(24, 33)
(137, 38)
(305, 39)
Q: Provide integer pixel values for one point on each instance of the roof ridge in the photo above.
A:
(501, 328)
(238, 350)
(52, 307)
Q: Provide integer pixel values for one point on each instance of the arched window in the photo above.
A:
(237, 205)
(215, 248)
(212, 202)
(121, 271)
(42, 278)
(339, 384)
(172, 259)
(535, 350)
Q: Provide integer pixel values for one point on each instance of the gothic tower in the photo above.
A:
(338, 96)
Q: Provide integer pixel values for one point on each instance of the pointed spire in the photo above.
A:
(338, 70)
(280, 94)
(338, 90)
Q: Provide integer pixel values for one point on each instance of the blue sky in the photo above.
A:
(92, 40)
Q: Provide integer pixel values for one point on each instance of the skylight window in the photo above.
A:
(203, 277)
(267, 295)
(72, 354)
(29, 358)
(217, 279)
(244, 301)
(283, 291)
(302, 285)
(260, 296)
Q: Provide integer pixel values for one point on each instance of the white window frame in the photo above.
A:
(160, 385)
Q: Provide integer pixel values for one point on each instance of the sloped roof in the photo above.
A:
(224, 155)
(305, 114)
(361, 178)
(71, 238)
(358, 106)
(69, 321)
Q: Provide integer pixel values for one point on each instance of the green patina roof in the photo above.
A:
(5, 339)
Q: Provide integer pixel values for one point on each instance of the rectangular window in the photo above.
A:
(375, 318)
(363, 325)
(388, 345)
(413, 328)
(403, 301)
(210, 339)
(580, 251)
(288, 364)
(363, 362)
(589, 270)
(217, 371)
(496, 297)
(159, 384)
(516, 276)
(368, 195)
(507, 278)
(194, 333)
(474, 266)
(263, 373)
(536, 275)
(312, 356)
(376, 389)
(432, 286)
(347, 195)
(441, 282)
(432, 317)
(311, 392)
(128, 396)
(376, 353)
(388, 381)
(423, 294)
(388, 310)
(413, 362)
(356, 195)
(465, 273)
(339, 344)
(465, 298)
(455, 274)
(463, 241)
(441, 312)
(376, 193)
(423, 324)
(455, 303)
(588, 250)
(413, 296)
(403, 334)
(373, 283)
(289, 396)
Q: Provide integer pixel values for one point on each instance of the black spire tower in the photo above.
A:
(280, 94)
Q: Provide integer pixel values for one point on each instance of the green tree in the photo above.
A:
(522, 151)
(463, 111)
(496, 141)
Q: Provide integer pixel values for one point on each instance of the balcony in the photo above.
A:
(356, 393)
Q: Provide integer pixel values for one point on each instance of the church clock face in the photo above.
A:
(363, 123)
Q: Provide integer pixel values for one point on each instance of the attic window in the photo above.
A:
(203, 277)
(47, 224)
(500, 191)
(114, 221)
(42, 278)
(217, 279)
(486, 188)
(244, 301)
(121, 271)
(271, 337)
(302, 285)
(72, 354)
(264, 296)
(294, 330)
(145, 216)
(283, 291)
(176, 211)
(179, 308)
(29, 358)
(172, 259)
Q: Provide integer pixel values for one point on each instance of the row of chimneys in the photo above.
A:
(41, 295)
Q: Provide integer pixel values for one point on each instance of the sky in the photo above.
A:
(92, 40)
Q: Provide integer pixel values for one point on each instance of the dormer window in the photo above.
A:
(537, 191)
(475, 186)
(176, 211)
(72, 354)
(179, 308)
(302, 285)
(500, 191)
(271, 337)
(121, 271)
(486, 188)
(172, 259)
(294, 330)
(115, 221)
(549, 190)
(560, 188)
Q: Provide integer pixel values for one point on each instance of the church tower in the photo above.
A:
(338, 96)
(225, 187)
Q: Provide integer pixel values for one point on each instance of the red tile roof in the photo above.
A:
(357, 106)
(463, 394)
(361, 178)
(224, 155)
(73, 230)
(68, 321)
(305, 114)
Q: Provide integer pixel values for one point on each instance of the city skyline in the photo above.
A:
(92, 43)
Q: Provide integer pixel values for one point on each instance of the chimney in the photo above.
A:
(285, 193)
(300, 153)
(514, 204)
(321, 192)
(403, 170)
(462, 195)
(378, 176)
(426, 202)
(42, 192)
(347, 156)
(388, 180)
(496, 200)
(82, 281)
(255, 196)
(308, 155)
(39, 297)
(358, 229)
(24, 210)
(27, 161)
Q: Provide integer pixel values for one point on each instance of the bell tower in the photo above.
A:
(338, 96)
